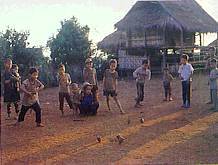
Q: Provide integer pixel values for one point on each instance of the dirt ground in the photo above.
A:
(169, 135)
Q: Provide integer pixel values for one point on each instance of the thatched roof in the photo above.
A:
(214, 43)
(187, 14)
(113, 40)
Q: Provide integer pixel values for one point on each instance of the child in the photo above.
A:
(110, 84)
(76, 96)
(185, 73)
(31, 88)
(11, 94)
(89, 105)
(141, 74)
(90, 75)
(64, 88)
(167, 80)
(213, 82)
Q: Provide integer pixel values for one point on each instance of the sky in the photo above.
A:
(42, 17)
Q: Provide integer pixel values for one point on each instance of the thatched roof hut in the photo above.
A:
(187, 14)
(181, 14)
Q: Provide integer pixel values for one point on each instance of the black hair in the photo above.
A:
(185, 56)
(14, 66)
(33, 70)
(213, 60)
(144, 62)
(61, 66)
(166, 69)
(112, 61)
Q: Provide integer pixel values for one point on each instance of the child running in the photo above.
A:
(185, 73)
(64, 88)
(31, 88)
(141, 74)
(167, 84)
(213, 83)
(90, 76)
(110, 85)
(11, 87)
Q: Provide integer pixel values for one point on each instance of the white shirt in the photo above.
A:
(141, 74)
(186, 71)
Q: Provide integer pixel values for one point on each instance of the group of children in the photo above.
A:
(84, 101)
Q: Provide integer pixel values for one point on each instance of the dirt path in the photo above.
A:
(167, 130)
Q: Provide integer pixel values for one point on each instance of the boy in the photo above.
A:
(31, 88)
(90, 75)
(213, 82)
(110, 84)
(76, 96)
(9, 88)
(185, 73)
(64, 88)
(211, 52)
(141, 75)
(167, 80)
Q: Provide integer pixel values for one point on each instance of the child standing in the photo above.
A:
(76, 97)
(167, 80)
(213, 82)
(90, 76)
(11, 92)
(141, 74)
(31, 88)
(110, 84)
(64, 88)
(185, 73)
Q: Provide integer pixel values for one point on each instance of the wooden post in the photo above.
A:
(200, 39)
(181, 40)
(165, 49)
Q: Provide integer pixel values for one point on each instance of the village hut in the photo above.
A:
(159, 31)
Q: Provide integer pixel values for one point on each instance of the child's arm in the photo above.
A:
(135, 73)
(85, 75)
(41, 86)
(69, 79)
(149, 75)
(23, 88)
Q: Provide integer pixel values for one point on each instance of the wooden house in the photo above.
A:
(159, 31)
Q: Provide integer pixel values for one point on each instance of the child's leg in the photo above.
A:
(188, 93)
(184, 90)
(22, 113)
(142, 92)
(165, 93)
(211, 97)
(61, 102)
(118, 104)
(94, 108)
(69, 101)
(138, 93)
(37, 109)
(16, 107)
(108, 102)
(215, 100)
(9, 109)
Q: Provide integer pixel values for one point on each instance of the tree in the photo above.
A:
(71, 45)
(13, 44)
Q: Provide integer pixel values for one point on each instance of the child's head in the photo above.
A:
(89, 63)
(15, 68)
(34, 73)
(61, 69)
(113, 64)
(212, 51)
(166, 70)
(75, 88)
(87, 88)
(213, 63)
(184, 59)
(145, 64)
(8, 64)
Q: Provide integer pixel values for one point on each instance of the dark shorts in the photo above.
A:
(111, 93)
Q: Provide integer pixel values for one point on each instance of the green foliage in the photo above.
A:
(71, 45)
(13, 44)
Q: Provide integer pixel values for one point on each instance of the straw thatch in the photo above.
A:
(214, 43)
(113, 40)
(186, 14)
